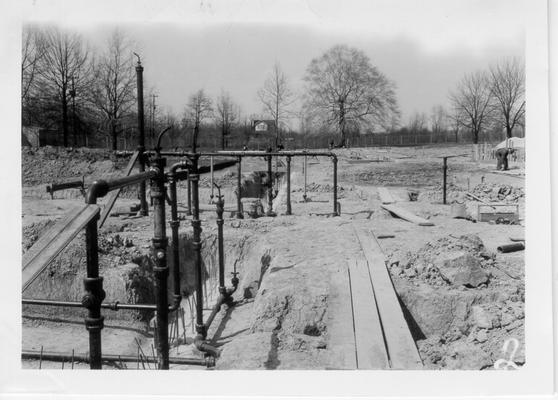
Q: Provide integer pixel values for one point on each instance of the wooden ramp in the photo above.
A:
(114, 194)
(50, 244)
(382, 337)
(407, 215)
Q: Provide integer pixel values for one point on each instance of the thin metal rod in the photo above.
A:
(60, 356)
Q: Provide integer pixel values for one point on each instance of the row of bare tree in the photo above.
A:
(495, 97)
(65, 82)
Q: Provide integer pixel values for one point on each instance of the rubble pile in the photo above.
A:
(448, 261)
(505, 193)
(320, 188)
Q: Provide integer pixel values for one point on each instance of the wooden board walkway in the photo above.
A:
(114, 194)
(382, 338)
(50, 244)
(401, 347)
(407, 215)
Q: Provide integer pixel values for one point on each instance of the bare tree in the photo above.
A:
(472, 100)
(64, 67)
(507, 83)
(276, 97)
(32, 51)
(199, 108)
(417, 123)
(226, 116)
(115, 83)
(438, 120)
(347, 90)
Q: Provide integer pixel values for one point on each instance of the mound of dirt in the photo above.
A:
(48, 164)
(455, 261)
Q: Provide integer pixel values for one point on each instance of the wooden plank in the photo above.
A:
(114, 194)
(401, 347)
(407, 215)
(385, 195)
(340, 327)
(37, 258)
(371, 351)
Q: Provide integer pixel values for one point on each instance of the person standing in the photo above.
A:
(502, 158)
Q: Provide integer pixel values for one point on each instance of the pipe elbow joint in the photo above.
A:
(98, 189)
(209, 350)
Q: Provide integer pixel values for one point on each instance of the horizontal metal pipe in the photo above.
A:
(508, 248)
(245, 154)
(54, 187)
(112, 306)
(59, 356)
(101, 187)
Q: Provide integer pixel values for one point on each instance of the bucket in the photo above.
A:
(458, 210)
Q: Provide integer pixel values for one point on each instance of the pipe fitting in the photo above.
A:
(98, 189)
(209, 350)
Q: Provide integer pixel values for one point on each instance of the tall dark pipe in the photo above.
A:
(141, 145)
(445, 176)
(269, 212)
(335, 207)
(175, 224)
(189, 194)
(161, 270)
(288, 185)
(220, 208)
(196, 226)
(94, 294)
(239, 190)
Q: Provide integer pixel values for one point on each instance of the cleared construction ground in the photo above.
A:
(362, 290)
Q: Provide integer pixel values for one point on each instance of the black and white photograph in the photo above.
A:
(249, 186)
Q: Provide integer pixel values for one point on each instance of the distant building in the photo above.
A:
(263, 126)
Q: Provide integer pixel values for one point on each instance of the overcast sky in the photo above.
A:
(425, 47)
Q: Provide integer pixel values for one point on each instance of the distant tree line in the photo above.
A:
(86, 94)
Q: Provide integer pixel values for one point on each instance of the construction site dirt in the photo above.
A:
(297, 305)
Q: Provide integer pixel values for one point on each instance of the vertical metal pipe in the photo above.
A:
(305, 167)
(94, 295)
(269, 187)
(175, 225)
(141, 145)
(161, 270)
(189, 210)
(289, 185)
(445, 176)
(211, 178)
(196, 225)
(335, 208)
(220, 209)
(239, 190)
